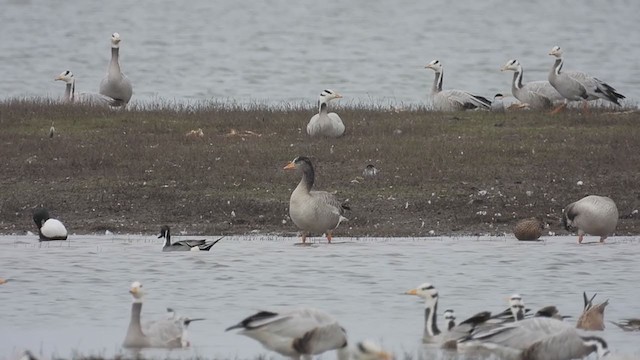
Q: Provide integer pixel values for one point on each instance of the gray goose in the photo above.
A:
(115, 84)
(453, 100)
(593, 215)
(537, 94)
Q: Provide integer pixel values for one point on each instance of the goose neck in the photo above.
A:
(308, 178)
(115, 55)
(431, 319)
(517, 78)
(322, 106)
(135, 329)
(437, 82)
(557, 66)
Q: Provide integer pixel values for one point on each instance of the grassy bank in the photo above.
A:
(440, 173)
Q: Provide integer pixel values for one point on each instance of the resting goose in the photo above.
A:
(164, 333)
(313, 211)
(49, 229)
(87, 98)
(593, 215)
(575, 85)
(528, 229)
(536, 94)
(116, 85)
(592, 317)
(184, 245)
(452, 100)
(323, 123)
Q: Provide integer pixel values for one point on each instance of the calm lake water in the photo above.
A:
(73, 296)
(288, 51)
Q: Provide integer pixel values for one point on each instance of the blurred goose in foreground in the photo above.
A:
(313, 211)
(528, 229)
(163, 333)
(49, 229)
(116, 85)
(537, 94)
(575, 85)
(537, 338)
(592, 317)
(453, 100)
(184, 245)
(432, 334)
(85, 98)
(593, 215)
(324, 123)
(628, 324)
(550, 311)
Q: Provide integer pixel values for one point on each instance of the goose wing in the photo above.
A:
(466, 100)
(329, 200)
(164, 333)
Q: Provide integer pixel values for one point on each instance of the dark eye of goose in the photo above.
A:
(66, 72)
(427, 288)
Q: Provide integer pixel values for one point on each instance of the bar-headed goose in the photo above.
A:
(70, 94)
(528, 229)
(537, 338)
(592, 317)
(313, 211)
(115, 84)
(184, 245)
(452, 100)
(450, 318)
(575, 85)
(163, 333)
(593, 215)
(49, 229)
(325, 123)
(537, 94)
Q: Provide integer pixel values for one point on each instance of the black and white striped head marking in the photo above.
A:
(66, 76)
(435, 65)
(556, 51)
(598, 344)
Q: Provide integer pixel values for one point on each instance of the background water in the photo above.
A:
(288, 51)
(73, 296)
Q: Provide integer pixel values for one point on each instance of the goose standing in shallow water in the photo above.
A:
(313, 211)
(49, 229)
(537, 94)
(593, 215)
(592, 317)
(184, 245)
(86, 98)
(324, 123)
(116, 85)
(575, 85)
(164, 333)
(453, 100)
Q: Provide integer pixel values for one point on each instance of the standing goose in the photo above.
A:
(49, 229)
(164, 333)
(313, 211)
(537, 94)
(87, 98)
(453, 100)
(575, 85)
(592, 317)
(538, 338)
(593, 215)
(116, 85)
(323, 123)
(184, 245)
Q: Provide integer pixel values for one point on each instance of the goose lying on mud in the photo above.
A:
(49, 229)
(593, 215)
(115, 84)
(538, 95)
(453, 100)
(313, 211)
(184, 245)
(71, 96)
(325, 123)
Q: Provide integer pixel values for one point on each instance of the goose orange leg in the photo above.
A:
(329, 236)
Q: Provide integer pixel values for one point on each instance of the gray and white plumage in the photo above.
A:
(592, 317)
(71, 96)
(497, 105)
(537, 94)
(452, 100)
(115, 84)
(450, 318)
(631, 324)
(184, 245)
(298, 332)
(593, 215)
(575, 85)
(49, 229)
(537, 338)
(325, 123)
(313, 211)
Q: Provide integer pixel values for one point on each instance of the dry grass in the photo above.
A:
(134, 170)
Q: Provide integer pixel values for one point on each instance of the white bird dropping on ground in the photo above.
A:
(325, 123)
(49, 229)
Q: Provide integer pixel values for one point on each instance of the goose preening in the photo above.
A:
(325, 123)
(528, 229)
(115, 84)
(313, 211)
(575, 85)
(163, 333)
(592, 317)
(49, 229)
(453, 100)
(536, 94)
(432, 334)
(538, 338)
(628, 324)
(184, 245)
(593, 215)
(85, 98)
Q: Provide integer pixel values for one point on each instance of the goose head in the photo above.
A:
(301, 163)
(164, 230)
(597, 344)
(136, 290)
(517, 306)
(115, 40)
(556, 51)
(435, 65)
(66, 76)
(40, 216)
(425, 291)
(512, 65)
(449, 315)
(327, 95)
(369, 350)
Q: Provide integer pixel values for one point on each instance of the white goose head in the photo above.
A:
(435, 65)
(136, 290)
(517, 306)
(328, 95)
(512, 65)
(425, 291)
(115, 40)
(66, 76)
(556, 51)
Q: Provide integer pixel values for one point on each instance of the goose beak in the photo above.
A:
(58, 78)
(504, 68)
(384, 355)
(290, 166)
(338, 96)
(411, 292)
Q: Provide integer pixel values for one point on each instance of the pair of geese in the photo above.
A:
(115, 87)
(562, 86)
(300, 332)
